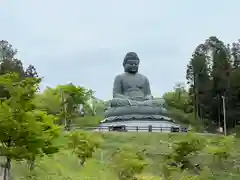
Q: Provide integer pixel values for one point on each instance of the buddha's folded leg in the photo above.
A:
(136, 103)
(153, 103)
(118, 102)
(149, 103)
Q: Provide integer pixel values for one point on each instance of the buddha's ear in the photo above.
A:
(124, 64)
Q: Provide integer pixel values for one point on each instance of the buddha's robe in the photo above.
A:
(132, 90)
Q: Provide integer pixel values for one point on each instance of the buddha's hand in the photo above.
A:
(131, 98)
(148, 97)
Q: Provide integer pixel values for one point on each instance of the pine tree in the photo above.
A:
(220, 72)
(198, 78)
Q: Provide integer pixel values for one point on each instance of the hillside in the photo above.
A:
(64, 165)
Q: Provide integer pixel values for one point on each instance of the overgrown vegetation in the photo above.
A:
(25, 132)
(138, 156)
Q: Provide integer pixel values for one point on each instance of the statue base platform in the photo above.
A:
(137, 117)
(148, 111)
(141, 123)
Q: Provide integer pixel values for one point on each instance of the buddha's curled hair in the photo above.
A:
(130, 55)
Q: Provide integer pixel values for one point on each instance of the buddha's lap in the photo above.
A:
(144, 110)
(121, 102)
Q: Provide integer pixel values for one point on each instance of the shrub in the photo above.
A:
(127, 164)
(83, 144)
(221, 148)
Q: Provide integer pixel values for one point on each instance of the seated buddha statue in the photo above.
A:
(131, 91)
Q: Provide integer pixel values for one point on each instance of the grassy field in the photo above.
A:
(64, 165)
(87, 121)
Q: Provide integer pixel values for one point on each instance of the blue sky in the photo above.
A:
(84, 42)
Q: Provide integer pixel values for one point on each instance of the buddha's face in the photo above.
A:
(131, 66)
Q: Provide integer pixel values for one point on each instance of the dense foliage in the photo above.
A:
(212, 75)
(88, 155)
(28, 118)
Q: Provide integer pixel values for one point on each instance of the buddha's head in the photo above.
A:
(131, 63)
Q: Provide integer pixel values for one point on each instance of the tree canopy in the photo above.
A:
(212, 74)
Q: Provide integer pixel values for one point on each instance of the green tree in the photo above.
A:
(64, 101)
(235, 52)
(48, 133)
(6, 50)
(72, 97)
(23, 134)
(208, 75)
(178, 98)
(221, 69)
(128, 164)
(83, 145)
(233, 103)
(8, 63)
(49, 101)
(199, 80)
(95, 106)
(31, 72)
